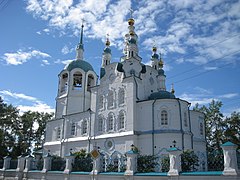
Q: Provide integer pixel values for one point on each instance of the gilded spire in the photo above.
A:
(80, 48)
(107, 41)
(172, 89)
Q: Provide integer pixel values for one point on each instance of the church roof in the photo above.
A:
(161, 95)
(84, 65)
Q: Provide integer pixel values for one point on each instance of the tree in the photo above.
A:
(20, 133)
(214, 124)
(232, 130)
(8, 122)
(189, 161)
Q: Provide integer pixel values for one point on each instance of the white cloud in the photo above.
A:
(229, 95)
(21, 57)
(45, 62)
(177, 26)
(66, 49)
(36, 104)
(210, 68)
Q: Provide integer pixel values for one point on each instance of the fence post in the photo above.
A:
(69, 163)
(47, 162)
(20, 167)
(175, 161)
(21, 163)
(28, 163)
(96, 165)
(6, 162)
(230, 158)
(131, 161)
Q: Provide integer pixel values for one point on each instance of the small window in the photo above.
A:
(64, 83)
(201, 128)
(58, 133)
(101, 102)
(121, 121)
(100, 124)
(84, 127)
(164, 117)
(110, 98)
(121, 96)
(73, 129)
(90, 82)
(185, 119)
(110, 122)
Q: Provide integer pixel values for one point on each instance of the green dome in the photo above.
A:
(161, 95)
(161, 72)
(155, 56)
(107, 50)
(79, 64)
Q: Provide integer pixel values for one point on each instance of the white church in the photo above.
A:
(129, 105)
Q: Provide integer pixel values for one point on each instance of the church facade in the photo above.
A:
(130, 105)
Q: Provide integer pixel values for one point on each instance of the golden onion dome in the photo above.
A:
(154, 49)
(131, 33)
(161, 63)
(131, 22)
(107, 42)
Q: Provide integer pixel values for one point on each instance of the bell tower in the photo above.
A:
(75, 82)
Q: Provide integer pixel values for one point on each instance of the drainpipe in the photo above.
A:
(153, 126)
(90, 124)
(190, 125)
(136, 87)
(181, 128)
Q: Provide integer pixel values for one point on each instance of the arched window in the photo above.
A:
(185, 119)
(164, 117)
(110, 98)
(121, 120)
(121, 96)
(84, 127)
(73, 129)
(90, 81)
(101, 102)
(58, 133)
(110, 122)
(64, 83)
(201, 128)
(100, 123)
(77, 81)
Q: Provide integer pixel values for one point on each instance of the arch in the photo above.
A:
(121, 96)
(73, 129)
(90, 81)
(110, 98)
(84, 127)
(63, 83)
(100, 123)
(110, 122)
(121, 120)
(164, 118)
(101, 102)
(77, 80)
(185, 120)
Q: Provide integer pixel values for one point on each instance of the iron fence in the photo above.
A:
(13, 164)
(58, 164)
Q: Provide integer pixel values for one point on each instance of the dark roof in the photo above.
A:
(84, 65)
(161, 95)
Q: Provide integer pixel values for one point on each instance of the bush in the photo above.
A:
(83, 161)
(146, 163)
(189, 161)
(58, 163)
(165, 163)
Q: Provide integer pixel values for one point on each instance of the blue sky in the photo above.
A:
(200, 42)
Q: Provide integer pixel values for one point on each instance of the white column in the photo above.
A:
(21, 163)
(69, 162)
(6, 162)
(230, 158)
(28, 163)
(47, 162)
(175, 161)
(131, 162)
